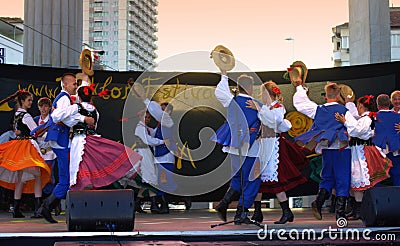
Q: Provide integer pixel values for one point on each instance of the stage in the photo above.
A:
(193, 227)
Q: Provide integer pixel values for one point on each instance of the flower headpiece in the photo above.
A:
(276, 90)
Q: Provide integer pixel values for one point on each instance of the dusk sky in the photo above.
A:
(254, 30)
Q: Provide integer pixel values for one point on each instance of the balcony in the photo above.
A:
(337, 55)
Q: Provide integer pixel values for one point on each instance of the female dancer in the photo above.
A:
(95, 161)
(22, 168)
(279, 168)
(369, 166)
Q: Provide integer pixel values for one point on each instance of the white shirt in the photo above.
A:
(224, 95)
(360, 128)
(143, 132)
(304, 105)
(67, 114)
(165, 120)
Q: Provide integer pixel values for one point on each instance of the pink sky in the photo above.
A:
(255, 30)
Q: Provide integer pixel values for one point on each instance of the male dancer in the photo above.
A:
(239, 115)
(63, 116)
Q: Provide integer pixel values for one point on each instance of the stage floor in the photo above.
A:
(187, 227)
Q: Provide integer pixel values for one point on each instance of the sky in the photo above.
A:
(254, 30)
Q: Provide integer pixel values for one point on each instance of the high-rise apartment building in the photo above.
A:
(124, 29)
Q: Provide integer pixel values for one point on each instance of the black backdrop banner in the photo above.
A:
(192, 95)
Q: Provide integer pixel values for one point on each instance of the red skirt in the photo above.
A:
(103, 162)
(291, 161)
(378, 167)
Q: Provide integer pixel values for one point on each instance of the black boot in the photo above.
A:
(38, 203)
(188, 202)
(230, 195)
(164, 209)
(350, 206)
(340, 207)
(316, 205)
(243, 217)
(238, 213)
(154, 206)
(287, 214)
(356, 211)
(47, 206)
(257, 215)
(332, 207)
(138, 205)
(57, 207)
(16, 212)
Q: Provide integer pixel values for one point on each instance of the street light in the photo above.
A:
(292, 40)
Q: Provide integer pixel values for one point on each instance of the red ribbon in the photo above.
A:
(123, 120)
(368, 99)
(372, 114)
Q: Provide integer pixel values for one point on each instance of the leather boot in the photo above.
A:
(138, 205)
(57, 207)
(154, 206)
(243, 218)
(332, 207)
(47, 206)
(17, 212)
(188, 202)
(230, 195)
(356, 211)
(287, 214)
(316, 205)
(238, 213)
(340, 207)
(164, 209)
(350, 206)
(38, 203)
(257, 215)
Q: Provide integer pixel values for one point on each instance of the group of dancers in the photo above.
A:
(359, 146)
(66, 131)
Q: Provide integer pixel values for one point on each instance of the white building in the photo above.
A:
(340, 40)
(11, 36)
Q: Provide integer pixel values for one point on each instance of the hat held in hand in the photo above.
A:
(297, 70)
(223, 58)
(86, 62)
(346, 93)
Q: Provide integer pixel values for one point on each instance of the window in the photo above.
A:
(345, 42)
(115, 43)
(115, 23)
(395, 40)
(115, 33)
(115, 53)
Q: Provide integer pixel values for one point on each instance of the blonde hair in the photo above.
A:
(394, 93)
(272, 89)
(332, 90)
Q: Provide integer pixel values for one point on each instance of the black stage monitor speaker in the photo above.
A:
(381, 206)
(100, 210)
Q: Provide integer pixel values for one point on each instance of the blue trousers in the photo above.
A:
(395, 170)
(251, 184)
(48, 188)
(336, 171)
(166, 181)
(61, 188)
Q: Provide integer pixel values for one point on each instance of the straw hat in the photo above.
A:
(297, 69)
(86, 62)
(223, 58)
(346, 92)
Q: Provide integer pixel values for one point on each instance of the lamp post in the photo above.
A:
(292, 40)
